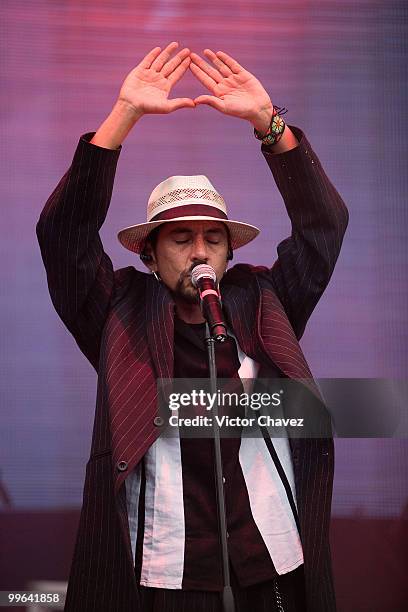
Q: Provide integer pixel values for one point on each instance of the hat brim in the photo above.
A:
(133, 237)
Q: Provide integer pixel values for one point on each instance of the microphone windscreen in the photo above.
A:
(202, 271)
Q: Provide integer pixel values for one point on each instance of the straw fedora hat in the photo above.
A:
(185, 198)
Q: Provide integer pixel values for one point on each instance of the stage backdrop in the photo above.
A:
(340, 69)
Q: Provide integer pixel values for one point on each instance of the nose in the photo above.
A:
(199, 249)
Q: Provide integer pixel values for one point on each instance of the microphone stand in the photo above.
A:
(228, 603)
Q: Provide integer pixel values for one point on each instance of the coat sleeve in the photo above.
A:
(319, 219)
(79, 273)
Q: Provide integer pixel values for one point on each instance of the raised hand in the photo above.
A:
(235, 91)
(147, 87)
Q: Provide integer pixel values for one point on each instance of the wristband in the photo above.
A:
(275, 130)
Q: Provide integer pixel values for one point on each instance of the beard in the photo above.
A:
(185, 289)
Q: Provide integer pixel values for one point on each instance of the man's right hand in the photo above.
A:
(145, 90)
(147, 87)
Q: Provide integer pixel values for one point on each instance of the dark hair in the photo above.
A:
(154, 235)
(152, 241)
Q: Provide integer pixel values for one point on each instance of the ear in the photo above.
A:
(148, 257)
(226, 266)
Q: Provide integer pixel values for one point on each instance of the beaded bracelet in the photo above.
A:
(276, 128)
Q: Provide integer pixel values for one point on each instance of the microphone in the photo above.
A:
(204, 279)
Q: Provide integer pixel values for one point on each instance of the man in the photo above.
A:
(146, 538)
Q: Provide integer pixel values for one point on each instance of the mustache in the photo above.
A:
(187, 273)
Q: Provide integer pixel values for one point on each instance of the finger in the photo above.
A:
(179, 71)
(150, 57)
(164, 56)
(206, 80)
(210, 101)
(177, 103)
(230, 62)
(221, 66)
(212, 72)
(171, 65)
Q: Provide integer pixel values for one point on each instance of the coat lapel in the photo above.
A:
(252, 309)
(160, 327)
(262, 328)
(239, 306)
(280, 343)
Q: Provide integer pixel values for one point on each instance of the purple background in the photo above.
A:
(340, 69)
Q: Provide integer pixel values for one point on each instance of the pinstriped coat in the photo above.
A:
(123, 322)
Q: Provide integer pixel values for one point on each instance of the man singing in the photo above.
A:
(148, 537)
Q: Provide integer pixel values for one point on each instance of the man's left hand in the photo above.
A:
(236, 91)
